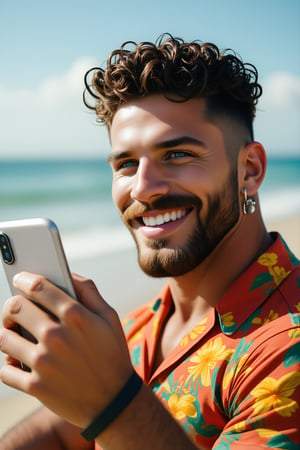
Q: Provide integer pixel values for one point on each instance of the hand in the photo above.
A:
(80, 361)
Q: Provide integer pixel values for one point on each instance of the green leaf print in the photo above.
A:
(295, 318)
(227, 440)
(128, 325)
(136, 356)
(292, 356)
(260, 280)
(281, 441)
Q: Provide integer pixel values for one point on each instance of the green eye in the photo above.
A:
(178, 154)
(127, 164)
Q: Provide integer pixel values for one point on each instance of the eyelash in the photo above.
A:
(182, 153)
(127, 164)
(171, 155)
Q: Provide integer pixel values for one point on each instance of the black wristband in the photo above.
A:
(112, 411)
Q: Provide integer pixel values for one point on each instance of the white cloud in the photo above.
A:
(281, 91)
(51, 120)
(278, 115)
(69, 86)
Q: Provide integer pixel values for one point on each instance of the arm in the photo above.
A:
(80, 363)
(44, 430)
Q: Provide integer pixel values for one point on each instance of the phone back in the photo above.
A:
(36, 248)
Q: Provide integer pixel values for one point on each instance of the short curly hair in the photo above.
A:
(178, 70)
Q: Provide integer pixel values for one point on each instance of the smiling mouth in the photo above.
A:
(161, 219)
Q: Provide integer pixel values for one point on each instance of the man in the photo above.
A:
(218, 349)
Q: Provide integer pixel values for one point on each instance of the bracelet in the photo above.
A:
(114, 409)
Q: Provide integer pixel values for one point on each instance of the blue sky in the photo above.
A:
(47, 46)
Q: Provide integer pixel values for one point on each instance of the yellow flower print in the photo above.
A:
(182, 406)
(228, 319)
(279, 274)
(268, 259)
(294, 333)
(271, 316)
(267, 433)
(238, 427)
(275, 394)
(241, 426)
(196, 331)
(206, 359)
(240, 369)
(137, 335)
(155, 326)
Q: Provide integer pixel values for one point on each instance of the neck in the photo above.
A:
(196, 292)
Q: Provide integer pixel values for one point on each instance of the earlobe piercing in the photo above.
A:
(248, 204)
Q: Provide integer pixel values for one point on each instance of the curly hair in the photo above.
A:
(178, 70)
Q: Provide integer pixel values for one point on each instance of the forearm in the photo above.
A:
(43, 430)
(145, 424)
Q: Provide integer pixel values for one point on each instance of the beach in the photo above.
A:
(134, 288)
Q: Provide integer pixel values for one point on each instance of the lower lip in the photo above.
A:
(160, 231)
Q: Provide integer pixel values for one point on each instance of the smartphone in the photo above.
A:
(34, 245)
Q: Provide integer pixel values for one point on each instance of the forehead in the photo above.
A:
(156, 118)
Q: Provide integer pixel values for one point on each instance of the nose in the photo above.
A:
(149, 181)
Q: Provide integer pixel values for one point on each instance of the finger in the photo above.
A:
(61, 305)
(42, 291)
(16, 348)
(15, 377)
(11, 361)
(18, 311)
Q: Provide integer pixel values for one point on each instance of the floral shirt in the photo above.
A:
(234, 380)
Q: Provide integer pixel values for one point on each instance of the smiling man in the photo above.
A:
(213, 360)
(173, 184)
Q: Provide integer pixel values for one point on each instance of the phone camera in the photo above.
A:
(6, 250)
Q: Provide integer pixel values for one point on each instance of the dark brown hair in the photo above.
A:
(179, 70)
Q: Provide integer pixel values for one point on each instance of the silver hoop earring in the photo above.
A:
(248, 204)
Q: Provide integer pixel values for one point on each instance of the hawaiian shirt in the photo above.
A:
(234, 381)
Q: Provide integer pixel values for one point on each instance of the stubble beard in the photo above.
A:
(162, 260)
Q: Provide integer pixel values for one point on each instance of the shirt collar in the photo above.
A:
(255, 284)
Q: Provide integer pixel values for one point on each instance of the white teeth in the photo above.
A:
(160, 219)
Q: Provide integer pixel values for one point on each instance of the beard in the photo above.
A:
(160, 259)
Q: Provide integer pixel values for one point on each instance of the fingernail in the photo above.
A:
(18, 278)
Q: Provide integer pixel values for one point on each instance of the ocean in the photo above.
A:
(76, 194)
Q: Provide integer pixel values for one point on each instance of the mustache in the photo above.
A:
(137, 209)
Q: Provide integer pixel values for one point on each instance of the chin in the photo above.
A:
(167, 262)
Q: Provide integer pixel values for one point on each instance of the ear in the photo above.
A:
(252, 167)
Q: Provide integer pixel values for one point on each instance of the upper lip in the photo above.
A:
(152, 218)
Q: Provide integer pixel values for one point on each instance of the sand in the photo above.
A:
(16, 406)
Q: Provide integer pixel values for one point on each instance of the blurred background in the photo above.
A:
(53, 153)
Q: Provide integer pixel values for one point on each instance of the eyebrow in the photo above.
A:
(171, 143)
(182, 140)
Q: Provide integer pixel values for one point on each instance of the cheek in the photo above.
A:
(120, 192)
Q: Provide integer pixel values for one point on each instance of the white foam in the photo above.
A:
(281, 204)
(91, 242)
